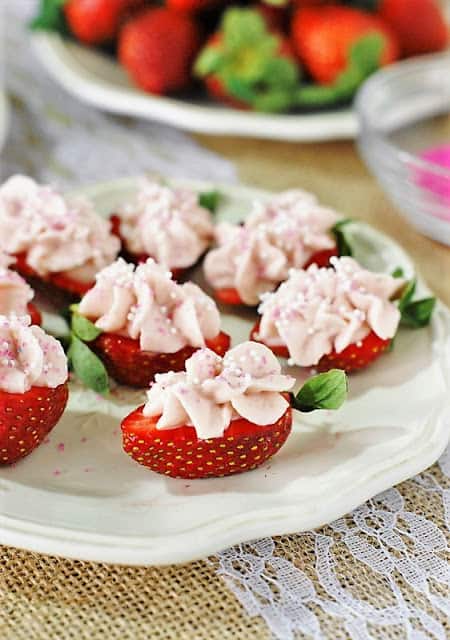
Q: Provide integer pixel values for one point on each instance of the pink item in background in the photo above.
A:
(438, 185)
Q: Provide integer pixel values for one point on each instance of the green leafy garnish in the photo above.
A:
(209, 200)
(398, 273)
(418, 314)
(324, 391)
(415, 314)
(247, 62)
(84, 329)
(364, 59)
(50, 17)
(343, 244)
(87, 366)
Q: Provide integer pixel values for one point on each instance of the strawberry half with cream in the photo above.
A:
(15, 293)
(146, 323)
(220, 416)
(291, 230)
(168, 225)
(33, 386)
(60, 241)
(343, 316)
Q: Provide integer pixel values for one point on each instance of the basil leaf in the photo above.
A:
(343, 245)
(88, 367)
(418, 314)
(398, 273)
(209, 200)
(84, 329)
(50, 17)
(407, 294)
(324, 391)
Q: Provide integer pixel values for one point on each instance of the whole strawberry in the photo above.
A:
(248, 65)
(418, 24)
(157, 48)
(339, 47)
(97, 21)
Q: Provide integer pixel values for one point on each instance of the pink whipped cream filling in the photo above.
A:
(29, 357)
(278, 235)
(57, 234)
(317, 310)
(166, 224)
(15, 293)
(145, 304)
(213, 391)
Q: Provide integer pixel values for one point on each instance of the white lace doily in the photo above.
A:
(380, 572)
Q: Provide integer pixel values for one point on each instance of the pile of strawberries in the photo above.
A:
(273, 55)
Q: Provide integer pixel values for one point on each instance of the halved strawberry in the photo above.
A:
(140, 257)
(179, 453)
(129, 365)
(231, 296)
(352, 358)
(35, 314)
(26, 418)
(355, 357)
(59, 280)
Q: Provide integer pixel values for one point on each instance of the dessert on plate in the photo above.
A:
(145, 323)
(343, 316)
(222, 415)
(33, 386)
(291, 230)
(57, 240)
(167, 224)
(15, 293)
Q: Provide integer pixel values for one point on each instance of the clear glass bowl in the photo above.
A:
(403, 111)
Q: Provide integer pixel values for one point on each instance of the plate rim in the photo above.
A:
(55, 56)
(205, 539)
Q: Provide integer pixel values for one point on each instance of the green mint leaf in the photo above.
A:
(407, 295)
(210, 200)
(50, 17)
(398, 273)
(87, 366)
(84, 329)
(417, 314)
(343, 244)
(324, 391)
(239, 88)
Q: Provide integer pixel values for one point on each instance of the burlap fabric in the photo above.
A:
(49, 598)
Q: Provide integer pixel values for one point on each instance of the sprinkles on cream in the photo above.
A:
(166, 224)
(278, 235)
(317, 310)
(15, 292)
(57, 234)
(145, 304)
(29, 357)
(246, 383)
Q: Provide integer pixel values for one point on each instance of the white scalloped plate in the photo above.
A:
(80, 496)
(98, 80)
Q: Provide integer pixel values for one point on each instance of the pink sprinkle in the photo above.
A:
(115, 432)
(88, 469)
(60, 447)
(83, 439)
(57, 472)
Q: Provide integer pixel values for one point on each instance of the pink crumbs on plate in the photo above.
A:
(60, 446)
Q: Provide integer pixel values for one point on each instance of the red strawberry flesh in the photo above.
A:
(179, 453)
(26, 418)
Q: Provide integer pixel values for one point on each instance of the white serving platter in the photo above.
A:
(78, 495)
(99, 80)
